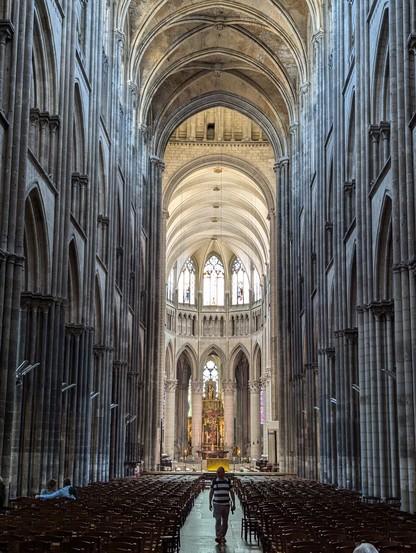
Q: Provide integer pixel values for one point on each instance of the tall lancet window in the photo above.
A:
(186, 286)
(210, 378)
(213, 282)
(257, 290)
(240, 288)
(171, 285)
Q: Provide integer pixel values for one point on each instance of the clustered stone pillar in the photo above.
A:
(197, 388)
(155, 297)
(265, 382)
(170, 387)
(228, 388)
(255, 437)
(282, 342)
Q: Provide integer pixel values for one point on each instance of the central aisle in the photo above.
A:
(198, 532)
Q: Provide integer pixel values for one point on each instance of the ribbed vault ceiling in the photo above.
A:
(248, 55)
(218, 209)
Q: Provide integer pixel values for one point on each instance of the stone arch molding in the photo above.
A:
(190, 353)
(265, 37)
(213, 349)
(238, 164)
(242, 212)
(256, 370)
(169, 364)
(36, 243)
(239, 348)
(273, 127)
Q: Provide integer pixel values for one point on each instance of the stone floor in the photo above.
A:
(198, 532)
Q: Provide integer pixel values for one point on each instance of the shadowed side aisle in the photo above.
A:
(198, 532)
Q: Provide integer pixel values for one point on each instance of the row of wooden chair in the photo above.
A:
(288, 515)
(128, 515)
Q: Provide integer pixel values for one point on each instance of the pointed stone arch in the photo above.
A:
(350, 168)
(352, 290)
(381, 73)
(78, 141)
(383, 268)
(98, 312)
(213, 349)
(169, 362)
(183, 372)
(43, 88)
(241, 165)
(74, 284)
(36, 245)
(230, 101)
(256, 370)
(240, 362)
(236, 351)
(190, 353)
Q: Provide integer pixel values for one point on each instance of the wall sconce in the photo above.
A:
(113, 405)
(131, 419)
(22, 370)
(94, 394)
(66, 386)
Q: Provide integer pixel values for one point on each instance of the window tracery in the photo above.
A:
(213, 282)
(210, 380)
(239, 284)
(186, 285)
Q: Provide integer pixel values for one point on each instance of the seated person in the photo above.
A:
(51, 487)
(67, 492)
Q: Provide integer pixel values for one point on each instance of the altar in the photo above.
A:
(212, 422)
(214, 463)
(216, 454)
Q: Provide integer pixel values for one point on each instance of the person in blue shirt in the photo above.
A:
(67, 492)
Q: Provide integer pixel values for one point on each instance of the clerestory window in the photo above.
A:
(213, 282)
(186, 285)
(240, 286)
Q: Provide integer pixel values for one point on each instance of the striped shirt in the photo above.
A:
(221, 490)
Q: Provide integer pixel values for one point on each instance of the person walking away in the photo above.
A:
(219, 497)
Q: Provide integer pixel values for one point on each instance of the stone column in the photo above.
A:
(156, 310)
(254, 386)
(197, 388)
(228, 388)
(169, 442)
(265, 382)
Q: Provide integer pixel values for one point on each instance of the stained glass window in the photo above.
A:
(257, 288)
(186, 286)
(171, 285)
(240, 287)
(213, 282)
(210, 379)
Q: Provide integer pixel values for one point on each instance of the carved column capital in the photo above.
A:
(381, 309)
(228, 386)
(197, 386)
(272, 214)
(254, 386)
(171, 385)
(157, 162)
(317, 37)
(411, 43)
(6, 31)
